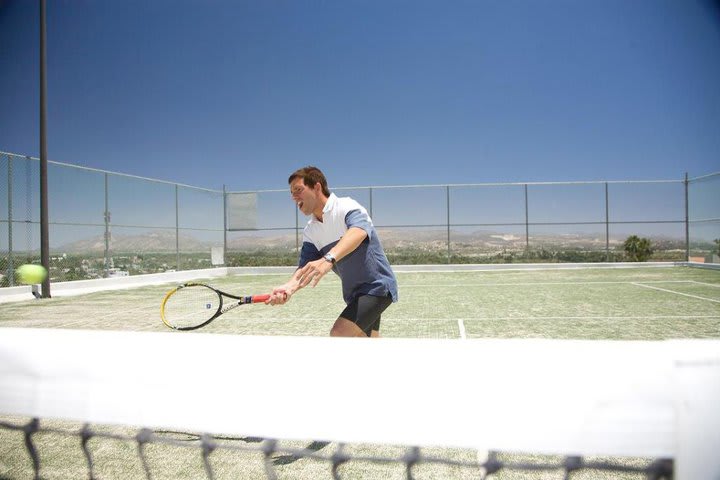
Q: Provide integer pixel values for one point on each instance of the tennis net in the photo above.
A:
(178, 405)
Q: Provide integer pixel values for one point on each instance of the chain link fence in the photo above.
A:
(704, 219)
(494, 223)
(105, 224)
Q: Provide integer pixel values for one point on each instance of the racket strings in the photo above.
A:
(190, 306)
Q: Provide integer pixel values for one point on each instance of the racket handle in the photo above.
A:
(259, 298)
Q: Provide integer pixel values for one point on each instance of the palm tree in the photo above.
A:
(637, 249)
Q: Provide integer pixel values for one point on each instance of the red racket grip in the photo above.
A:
(259, 298)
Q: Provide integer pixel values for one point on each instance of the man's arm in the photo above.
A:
(348, 243)
(282, 294)
(314, 271)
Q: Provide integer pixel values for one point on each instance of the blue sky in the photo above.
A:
(375, 92)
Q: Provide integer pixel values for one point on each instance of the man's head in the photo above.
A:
(309, 190)
(311, 176)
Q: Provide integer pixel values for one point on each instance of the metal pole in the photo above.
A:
(687, 219)
(297, 231)
(447, 191)
(11, 267)
(527, 223)
(107, 229)
(225, 225)
(607, 225)
(177, 231)
(371, 210)
(44, 222)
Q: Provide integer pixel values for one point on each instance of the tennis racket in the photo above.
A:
(194, 305)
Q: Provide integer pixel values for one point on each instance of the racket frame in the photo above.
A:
(221, 309)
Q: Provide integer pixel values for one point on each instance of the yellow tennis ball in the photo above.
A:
(30, 274)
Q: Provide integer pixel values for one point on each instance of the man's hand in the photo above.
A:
(312, 272)
(279, 296)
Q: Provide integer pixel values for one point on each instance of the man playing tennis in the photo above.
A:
(340, 236)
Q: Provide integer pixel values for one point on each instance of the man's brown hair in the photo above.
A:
(311, 176)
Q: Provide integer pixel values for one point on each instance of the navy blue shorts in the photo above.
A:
(365, 312)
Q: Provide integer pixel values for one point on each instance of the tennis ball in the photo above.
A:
(31, 274)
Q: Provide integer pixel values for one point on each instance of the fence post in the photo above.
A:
(297, 231)
(607, 224)
(371, 210)
(527, 223)
(687, 219)
(224, 198)
(447, 190)
(177, 231)
(11, 266)
(107, 229)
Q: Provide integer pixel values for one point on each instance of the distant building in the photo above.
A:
(712, 258)
(115, 272)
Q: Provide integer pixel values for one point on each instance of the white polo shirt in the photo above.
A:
(366, 270)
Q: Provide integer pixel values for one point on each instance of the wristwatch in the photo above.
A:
(330, 258)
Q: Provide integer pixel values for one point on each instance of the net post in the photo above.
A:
(697, 396)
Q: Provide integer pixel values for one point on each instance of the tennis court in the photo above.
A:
(638, 303)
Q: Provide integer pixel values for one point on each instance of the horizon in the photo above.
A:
(392, 236)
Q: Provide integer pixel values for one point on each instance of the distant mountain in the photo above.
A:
(161, 241)
(164, 241)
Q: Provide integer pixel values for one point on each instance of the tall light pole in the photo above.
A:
(44, 223)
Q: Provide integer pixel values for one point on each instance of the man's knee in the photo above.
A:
(345, 328)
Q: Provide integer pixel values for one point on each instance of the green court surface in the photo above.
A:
(643, 303)
(586, 303)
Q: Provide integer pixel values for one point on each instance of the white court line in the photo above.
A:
(676, 293)
(388, 318)
(716, 285)
(534, 284)
(461, 326)
(257, 321)
(595, 317)
(260, 319)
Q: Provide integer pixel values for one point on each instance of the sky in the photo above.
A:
(374, 92)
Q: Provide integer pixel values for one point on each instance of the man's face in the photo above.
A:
(304, 197)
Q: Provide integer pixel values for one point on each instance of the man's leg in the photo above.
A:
(375, 332)
(361, 318)
(346, 328)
